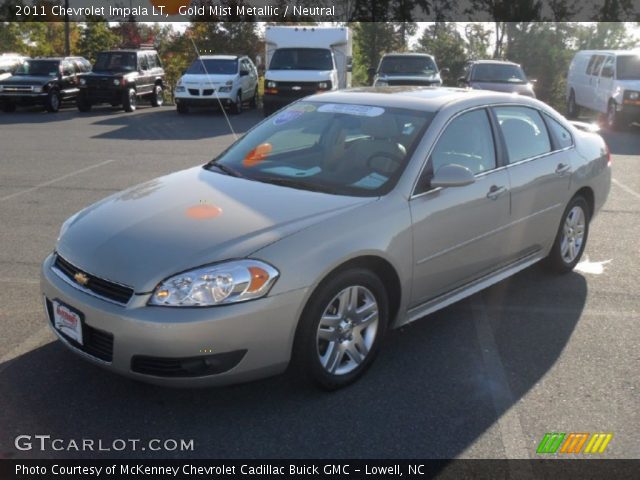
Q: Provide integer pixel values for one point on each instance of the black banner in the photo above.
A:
(319, 10)
(319, 469)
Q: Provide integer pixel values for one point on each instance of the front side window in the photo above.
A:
(524, 132)
(466, 141)
(608, 67)
(302, 59)
(344, 149)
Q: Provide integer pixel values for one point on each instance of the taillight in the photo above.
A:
(606, 148)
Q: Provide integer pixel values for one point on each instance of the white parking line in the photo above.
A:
(626, 189)
(55, 180)
(503, 400)
(33, 341)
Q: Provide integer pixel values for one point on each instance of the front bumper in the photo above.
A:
(631, 109)
(205, 97)
(108, 94)
(24, 98)
(256, 337)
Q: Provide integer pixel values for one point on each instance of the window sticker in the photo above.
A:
(287, 116)
(371, 181)
(293, 172)
(358, 110)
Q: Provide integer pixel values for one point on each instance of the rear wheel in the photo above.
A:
(129, 100)
(573, 111)
(571, 238)
(53, 101)
(341, 329)
(156, 98)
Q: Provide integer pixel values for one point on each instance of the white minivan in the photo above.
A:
(223, 81)
(608, 82)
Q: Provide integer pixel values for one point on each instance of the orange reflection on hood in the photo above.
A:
(203, 211)
(257, 155)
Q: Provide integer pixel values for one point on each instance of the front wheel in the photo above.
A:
(341, 329)
(129, 100)
(571, 238)
(53, 101)
(156, 97)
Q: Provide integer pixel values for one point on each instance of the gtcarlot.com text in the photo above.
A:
(44, 443)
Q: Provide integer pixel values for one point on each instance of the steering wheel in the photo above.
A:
(379, 163)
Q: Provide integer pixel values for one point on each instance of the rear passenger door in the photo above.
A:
(458, 232)
(539, 168)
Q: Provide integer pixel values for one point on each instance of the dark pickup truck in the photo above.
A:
(120, 78)
(43, 81)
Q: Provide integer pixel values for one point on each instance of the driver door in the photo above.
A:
(458, 232)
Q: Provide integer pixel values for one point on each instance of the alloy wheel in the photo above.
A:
(573, 234)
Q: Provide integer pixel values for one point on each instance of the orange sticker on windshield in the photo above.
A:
(203, 211)
(257, 155)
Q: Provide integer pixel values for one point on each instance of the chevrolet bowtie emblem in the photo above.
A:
(81, 278)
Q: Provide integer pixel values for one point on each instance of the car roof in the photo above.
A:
(129, 50)
(635, 51)
(428, 99)
(494, 62)
(220, 57)
(407, 54)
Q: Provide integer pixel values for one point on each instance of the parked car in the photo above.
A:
(406, 69)
(218, 81)
(43, 81)
(608, 82)
(9, 62)
(273, 253)
(121, 77)
(496, 75)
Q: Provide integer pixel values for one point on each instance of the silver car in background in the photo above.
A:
(337, 218)
(497, 75)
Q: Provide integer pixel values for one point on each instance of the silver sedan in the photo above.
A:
(337, 218)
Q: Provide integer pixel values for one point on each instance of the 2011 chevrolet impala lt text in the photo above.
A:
(337, 218)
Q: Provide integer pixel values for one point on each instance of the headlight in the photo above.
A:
(116, 81)
(271, 84)
(323, 85)
(224, 89)
(83, 81)
(634, 95)
(179, 88)
(223, 283)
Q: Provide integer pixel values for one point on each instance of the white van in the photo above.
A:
(218, 80)
(607, 81)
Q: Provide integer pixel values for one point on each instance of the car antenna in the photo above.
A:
(215, 92)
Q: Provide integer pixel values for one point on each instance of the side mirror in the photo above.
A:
(372, 71)
(452, 175)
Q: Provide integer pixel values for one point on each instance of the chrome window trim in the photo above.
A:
(497, 169)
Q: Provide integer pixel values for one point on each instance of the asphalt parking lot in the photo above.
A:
(485, 378)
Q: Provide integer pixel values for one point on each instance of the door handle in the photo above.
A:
(562, 168)
(495, 191)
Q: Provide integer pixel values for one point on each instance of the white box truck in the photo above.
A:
(301, 61)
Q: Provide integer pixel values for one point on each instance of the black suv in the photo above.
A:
(120, 77)
(43, 81)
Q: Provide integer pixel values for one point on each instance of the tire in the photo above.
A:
(83, 104)
(156, 97)
(129, 100)
(254, 99)
(182, 108)
(52, 103)
(573, 110)
(8, 107)
(337, 354)
(614, 120)
(237, 106)
(571, 237)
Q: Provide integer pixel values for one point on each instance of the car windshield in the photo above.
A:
(494, 73)
(628, 67)
(343, 149)
(214, 66)
(408, 66)
(116, 62)
(302, 59)
(46, 68)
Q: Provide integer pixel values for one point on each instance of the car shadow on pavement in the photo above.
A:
(623, 142)
(38, 115)
(167, 124)
(430, 394)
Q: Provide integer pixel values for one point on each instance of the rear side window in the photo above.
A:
(561, 135)
(466, 141)
(524, 132)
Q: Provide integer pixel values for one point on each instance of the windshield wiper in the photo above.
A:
(224, 169)
(292, 183)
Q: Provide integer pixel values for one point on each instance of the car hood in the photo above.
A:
(630, 84)
(298, 75)
(142, 235)
(27, 80)
(191, 79)
(396, 77)
(521, 88)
